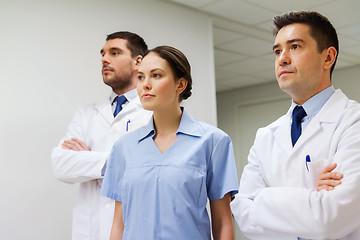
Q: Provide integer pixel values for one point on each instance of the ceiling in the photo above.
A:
(243, 40)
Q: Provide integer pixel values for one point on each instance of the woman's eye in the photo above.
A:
(156, 75)
(140, 77)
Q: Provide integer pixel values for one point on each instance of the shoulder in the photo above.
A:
(351, 105)
(342, 108)
(133, 137)
(85, 113)
(352, 111)
(273, 126)
(211, 132)
(91, 107)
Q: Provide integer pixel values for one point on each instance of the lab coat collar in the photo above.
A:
(325, 117)
(188, 125)
(322, 120)
(105, 109)
(336, 103)
(130, 95)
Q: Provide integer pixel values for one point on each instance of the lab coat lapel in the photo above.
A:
(105, 111)
(325, 119)
(282, 133)
(128, 109)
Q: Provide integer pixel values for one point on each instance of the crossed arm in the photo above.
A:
(74, 144)
(328, 179)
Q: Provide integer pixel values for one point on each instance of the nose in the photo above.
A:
(105, 59)
(145, 83)
(284, 58)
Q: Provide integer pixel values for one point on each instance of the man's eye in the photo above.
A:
(140, 77)
(277, 52)
(295, 46)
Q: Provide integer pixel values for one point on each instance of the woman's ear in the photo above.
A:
(182, 84)
(330, 57)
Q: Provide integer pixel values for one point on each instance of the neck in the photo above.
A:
(300, 99)
(124, 89)
(167, 122)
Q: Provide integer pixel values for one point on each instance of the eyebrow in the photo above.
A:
(153, 70)
(111, 49)
(288, 41)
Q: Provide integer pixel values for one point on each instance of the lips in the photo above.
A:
(284, 72)
(147, 95)
(107, 69)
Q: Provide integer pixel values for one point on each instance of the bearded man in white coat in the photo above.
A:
(278, 196)
(81, 155)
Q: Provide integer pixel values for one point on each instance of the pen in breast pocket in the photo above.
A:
(306, 161)
(127, 125)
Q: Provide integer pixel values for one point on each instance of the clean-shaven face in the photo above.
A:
(157, 87)
(298, 63)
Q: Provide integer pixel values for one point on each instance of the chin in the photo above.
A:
(147, 106)
(284, 84)
(107, 80)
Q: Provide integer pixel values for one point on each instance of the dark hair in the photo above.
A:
(321, 29)
(136, 44)
(178, 64)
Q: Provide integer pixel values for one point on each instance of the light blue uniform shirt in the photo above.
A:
(164, 195)
(312, 107)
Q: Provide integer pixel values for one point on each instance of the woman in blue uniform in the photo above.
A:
(162, 174)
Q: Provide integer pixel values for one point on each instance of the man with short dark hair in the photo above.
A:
(279, 197)
(81, 155)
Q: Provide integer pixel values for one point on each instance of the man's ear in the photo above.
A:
(330, 57)
(182, 84)
(137, 61)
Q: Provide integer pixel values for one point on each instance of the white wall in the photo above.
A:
(49, 66)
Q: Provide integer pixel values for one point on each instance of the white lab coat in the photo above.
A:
(96, 126)
(277, 199)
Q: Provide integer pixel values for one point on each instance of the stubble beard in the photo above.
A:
(118, 84)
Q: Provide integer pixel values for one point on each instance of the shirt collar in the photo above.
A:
(130, 95)
(188, 126)
(315, 103)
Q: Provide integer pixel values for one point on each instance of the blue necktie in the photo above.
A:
(119, 101)
(298, 114)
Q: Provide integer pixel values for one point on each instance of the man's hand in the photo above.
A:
(75, 145)
(328, 180)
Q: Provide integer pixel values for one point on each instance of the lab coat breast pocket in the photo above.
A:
(313, 170)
